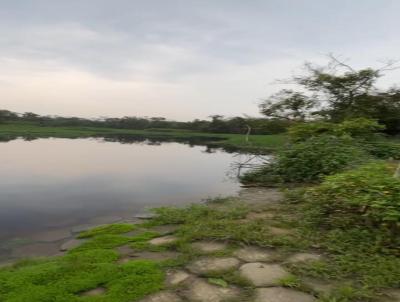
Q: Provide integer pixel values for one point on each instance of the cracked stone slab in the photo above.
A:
(318, 286)
(281, 294)
(202, 291)
(303, 257)
(261, 274)
(164, 296)
(209, 246)
(254, 254)
(163, 240)
(71, 244)
(94, 292)
(209, 265)
(175, 278)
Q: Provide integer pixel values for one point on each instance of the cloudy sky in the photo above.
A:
(180, 59)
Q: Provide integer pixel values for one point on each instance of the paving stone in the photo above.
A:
(163, 240)
(254, 254)
(261, 274)
(175, 278)
(125, 250)
(158, 256)
(94, 292)
(391, 295)
(209, 246)
(145, 216)
(303, 257)
(105, 219)
(280, 231)
(6, 263)
(133, 233)
(281, 294)
(164, 296)
(202, 291)
(70, 244)
(318, 286)
(260, 196)
(37, 250)
(209, 265)
(52, 235)
(82, 228)
(165, 229)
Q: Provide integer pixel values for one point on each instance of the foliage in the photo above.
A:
(288, 105)
(30, 131)
(383, 148)
(88, 267)
(368, 197)
(217, 124)
(117, 228)
(310, 161)
(303, 131)
(338, 92)
(356, 128)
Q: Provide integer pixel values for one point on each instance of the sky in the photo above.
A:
(180, 59)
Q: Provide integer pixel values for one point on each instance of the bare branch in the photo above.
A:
(389, 65)
(340, 63)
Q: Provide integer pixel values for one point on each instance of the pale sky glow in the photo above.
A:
(178, 59)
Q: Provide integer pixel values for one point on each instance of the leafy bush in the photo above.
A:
(304, 131)
(382, 149)
(310, 161)
(366, 198)
(356, 128)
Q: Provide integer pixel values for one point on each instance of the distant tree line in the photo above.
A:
(216, 124)
(333, 93)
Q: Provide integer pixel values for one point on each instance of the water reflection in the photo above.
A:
(51, 185)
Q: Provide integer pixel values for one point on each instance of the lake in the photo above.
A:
(51, 185)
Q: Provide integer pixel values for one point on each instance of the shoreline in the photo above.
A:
(243, 248)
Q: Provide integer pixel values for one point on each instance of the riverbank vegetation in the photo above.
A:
(29, 131)
(333, 237)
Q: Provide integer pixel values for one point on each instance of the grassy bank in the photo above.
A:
(266, 142)
(119, 261)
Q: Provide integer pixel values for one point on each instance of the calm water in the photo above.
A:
(50, 185)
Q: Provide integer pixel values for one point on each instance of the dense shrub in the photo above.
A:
(356, 128)
(382, 148)
(365, 198)
(304, 131)
(310, 161)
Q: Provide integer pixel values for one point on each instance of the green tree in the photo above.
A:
(338, 92)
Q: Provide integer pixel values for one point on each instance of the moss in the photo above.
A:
(117, 228)
(64, 279)
(103, 242)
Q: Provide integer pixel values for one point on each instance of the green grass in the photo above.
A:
(351, 260)
(64, 278)
(117, 228)
(270, 142)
